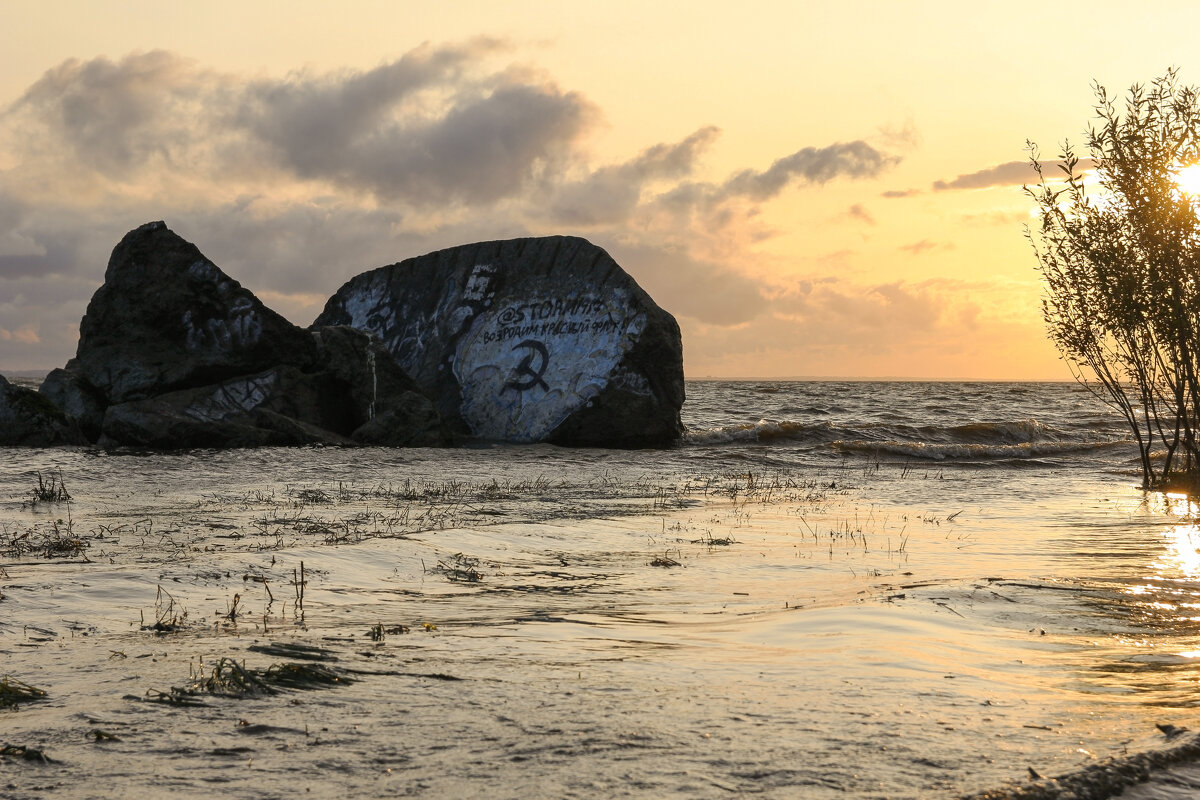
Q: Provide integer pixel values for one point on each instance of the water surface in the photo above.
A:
(830, 589)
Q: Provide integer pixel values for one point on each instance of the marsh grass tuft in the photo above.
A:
(50, 491)
(26, 753)
(665, 560)
(231, 678)
(708, 540)
(56, 541)
(14, 692)
(380, 632)
(303, 676)
(459, 568)
(169, 615)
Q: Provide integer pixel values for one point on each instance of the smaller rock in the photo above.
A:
(81, 401)
(28, 419)
(277, 407)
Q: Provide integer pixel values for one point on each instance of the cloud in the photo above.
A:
(295, 183)
(1012, 173)
(26, 334)
(817, 165)
(114, 116)
(690, 285)
(857, 212)
(611, 193)
(995, 218)
(480, 150)
(424, 129)
(918, 329)
(35, 249)
(925, 245)
(896, 193)
(904, 137)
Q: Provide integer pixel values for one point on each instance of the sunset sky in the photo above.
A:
(812, 189)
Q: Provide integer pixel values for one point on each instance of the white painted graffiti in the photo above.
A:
(240, 328)
(233, 398)
(205, 270)
(525, 368)
(373, 309)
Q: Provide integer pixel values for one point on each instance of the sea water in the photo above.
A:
(828, 589)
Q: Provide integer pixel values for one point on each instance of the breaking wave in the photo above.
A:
(1014, 439)
(974, 452)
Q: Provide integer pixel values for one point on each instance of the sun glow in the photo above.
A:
(1188, 180)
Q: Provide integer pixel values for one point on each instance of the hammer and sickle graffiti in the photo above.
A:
(528, 374)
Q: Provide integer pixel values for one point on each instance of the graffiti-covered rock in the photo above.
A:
(527, 340)
(174, 353)
(28, 419)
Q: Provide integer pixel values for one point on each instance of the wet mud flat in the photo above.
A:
(535, 623)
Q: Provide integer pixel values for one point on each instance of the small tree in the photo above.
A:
(1122, 271)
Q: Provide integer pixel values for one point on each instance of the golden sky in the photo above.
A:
(812, 189)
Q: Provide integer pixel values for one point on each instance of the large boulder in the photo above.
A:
(174, 353)
(527, 340)
(30, 420)
(167, 318)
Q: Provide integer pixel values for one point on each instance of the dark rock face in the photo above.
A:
(388, 408)
(173, 353)
(526, 340)
(168, 318)
(27, 419)
(78, 399)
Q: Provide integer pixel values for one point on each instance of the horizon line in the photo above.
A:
(42, 373)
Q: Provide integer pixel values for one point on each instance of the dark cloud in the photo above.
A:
(1012, 173)
(482, 147)
(113, 116)
(57, 259)
(817, 165)
(417, 130)
(309, 121)
(34, 247)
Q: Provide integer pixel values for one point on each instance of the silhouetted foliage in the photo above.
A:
(1121, 266)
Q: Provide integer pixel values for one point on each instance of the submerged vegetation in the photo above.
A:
(1122, 270)
(14, 692)
(231, 678)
